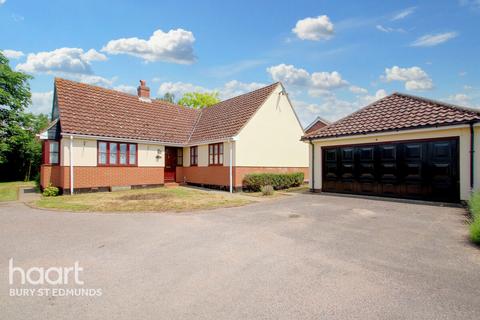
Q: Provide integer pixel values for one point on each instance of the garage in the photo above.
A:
(406, 169)
(400, 146)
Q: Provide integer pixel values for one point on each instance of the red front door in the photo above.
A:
(170, 164)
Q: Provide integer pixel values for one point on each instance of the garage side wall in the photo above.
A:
(462, 133)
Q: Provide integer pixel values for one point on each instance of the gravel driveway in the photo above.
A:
(301, 257)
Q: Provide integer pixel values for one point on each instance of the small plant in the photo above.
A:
(474, 206)
(267, 190)
(51, 191)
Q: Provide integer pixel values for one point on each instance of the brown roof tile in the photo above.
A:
(91, 110)
(395, 112)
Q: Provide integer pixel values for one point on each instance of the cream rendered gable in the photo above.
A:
(271, 138)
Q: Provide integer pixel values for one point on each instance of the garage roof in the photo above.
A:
(395, 112)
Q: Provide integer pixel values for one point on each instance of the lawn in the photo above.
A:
(144, 200)
(9, 190)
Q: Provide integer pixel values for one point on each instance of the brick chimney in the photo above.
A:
(143, 91)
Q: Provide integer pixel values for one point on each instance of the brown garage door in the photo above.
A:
(418, 169)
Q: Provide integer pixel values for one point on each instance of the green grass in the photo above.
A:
(143, 200)
(9, 190)
(474, 205)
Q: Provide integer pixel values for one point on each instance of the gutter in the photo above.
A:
(313, 165)
(472, 157)
(71, 165)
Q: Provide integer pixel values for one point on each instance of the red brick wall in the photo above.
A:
(88, 177)
(214, 175)
(219, 175)
(50, 174)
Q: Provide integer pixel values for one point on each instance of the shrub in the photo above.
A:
(267, 190)
(474, 205)
(51, 191)
(255, 181)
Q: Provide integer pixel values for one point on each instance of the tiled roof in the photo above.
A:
(396, 112)
(316, 124)
(227, 118)
(91, 110)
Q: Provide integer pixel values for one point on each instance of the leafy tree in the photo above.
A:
(198, 100)
(169, 97)
(14, 98)
(20, 150)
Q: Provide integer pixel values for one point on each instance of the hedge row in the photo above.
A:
(255, 181)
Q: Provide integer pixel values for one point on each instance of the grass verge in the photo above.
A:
(474, 206)
(9, 190)
(143, 200)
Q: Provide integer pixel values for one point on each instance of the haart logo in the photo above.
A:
(56, 281)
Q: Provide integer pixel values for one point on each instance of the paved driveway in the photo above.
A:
(307, 256)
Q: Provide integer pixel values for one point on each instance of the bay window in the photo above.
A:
(117, 154)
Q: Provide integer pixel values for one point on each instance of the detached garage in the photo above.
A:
(400, 146)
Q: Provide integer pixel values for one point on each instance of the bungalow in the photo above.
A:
(400, 146)
(101, 139)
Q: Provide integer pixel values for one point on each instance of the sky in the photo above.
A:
(333, 57)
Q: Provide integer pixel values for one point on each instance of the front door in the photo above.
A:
(170, 164)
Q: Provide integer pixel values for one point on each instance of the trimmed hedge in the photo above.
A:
(474, 205)
(255, 181)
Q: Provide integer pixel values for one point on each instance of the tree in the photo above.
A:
(169, 97)
(20, 150)
(14, 98)
(198, 100)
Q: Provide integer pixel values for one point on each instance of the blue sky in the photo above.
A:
(333, 56)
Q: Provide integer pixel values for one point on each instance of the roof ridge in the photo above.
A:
(117, 91)
(195, 125)
(429, 100)
(371, 104)
(246, 93)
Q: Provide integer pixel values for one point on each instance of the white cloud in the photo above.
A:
(228, 90)
(473, 4)
(415, 78)
(172, 46)
(178, 88)
(318, 83)
(461, 99)
(42, 102)
(126, 89)
(431, 40)
(388, 29)
(71, 63)
(327, 80)
(234, 88)
(319, 28)
(63, 60)
(12, 54)
(2, 2)
(404, 13)
(367, 99)
(358, 90)
(289, 75)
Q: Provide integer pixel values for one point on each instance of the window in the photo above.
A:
(117, 154)
(215, 154)
(194, 156)
(180, 157)
(53, 152)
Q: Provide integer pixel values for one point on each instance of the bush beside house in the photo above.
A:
(474, 205)
(255, 181)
